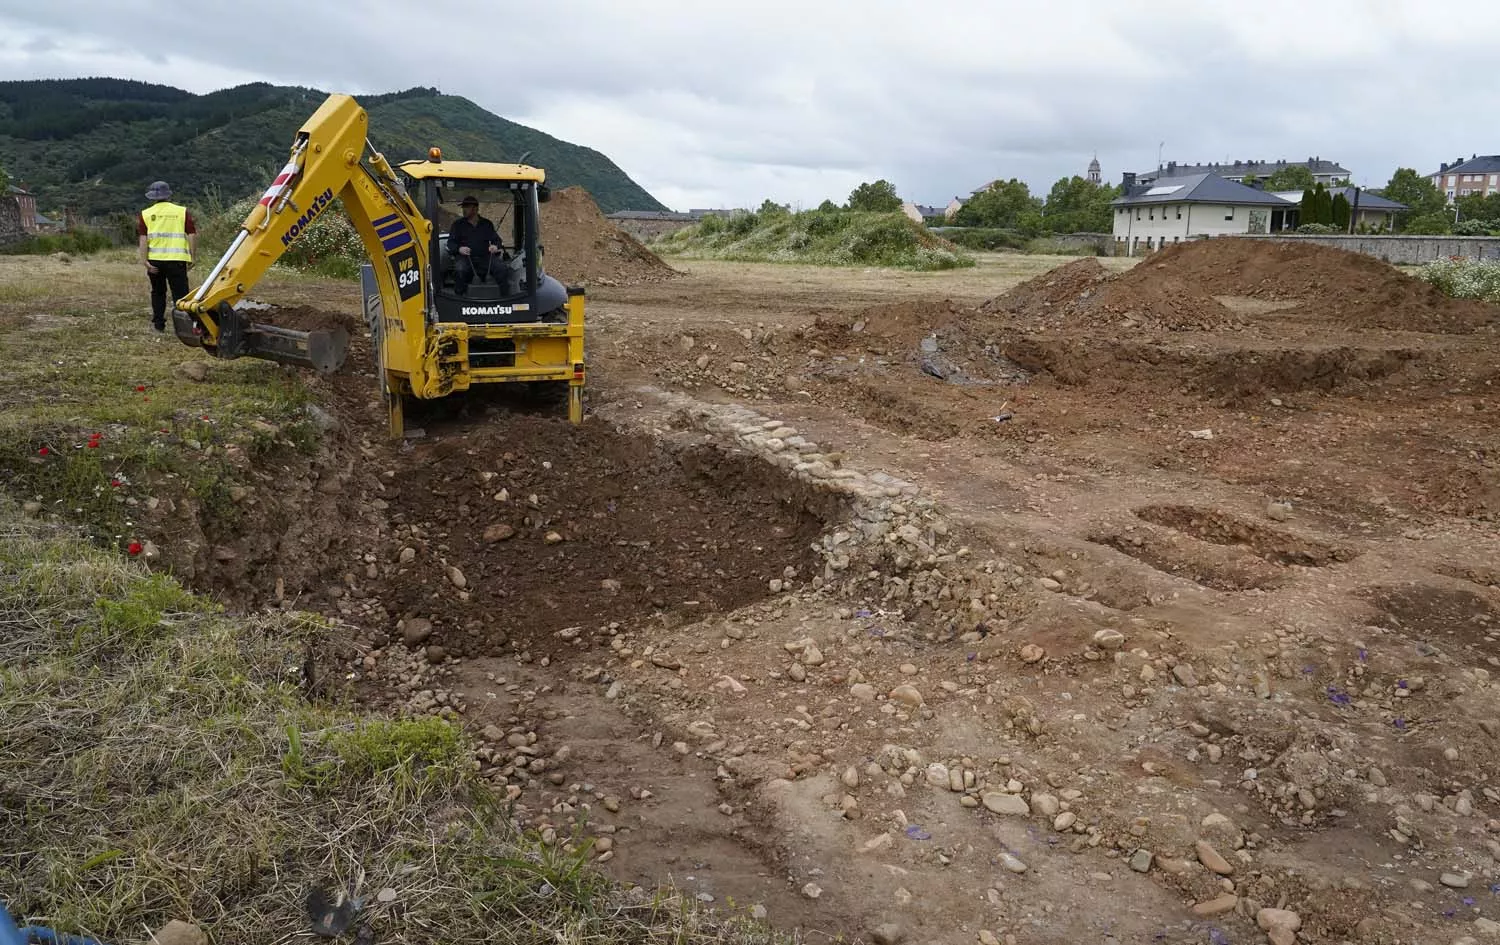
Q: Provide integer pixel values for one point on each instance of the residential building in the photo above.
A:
(1323, 172)
(951, 211)
(1151, 216)
(919, 213)
(1480, 175)
(1372, 211)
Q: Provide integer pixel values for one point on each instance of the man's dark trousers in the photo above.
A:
(171, 273)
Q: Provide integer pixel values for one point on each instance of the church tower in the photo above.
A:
(1094, 170)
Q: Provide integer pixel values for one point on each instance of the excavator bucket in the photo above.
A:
(323, 351)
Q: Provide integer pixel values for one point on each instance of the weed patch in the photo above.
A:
(180, 773)
(817, 237)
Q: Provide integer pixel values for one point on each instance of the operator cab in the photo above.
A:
(504, 287)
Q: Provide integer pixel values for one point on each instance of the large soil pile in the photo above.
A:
(1179, 288)
(584, 248)
(1345, 289)
(1083, 295)
(1062, 286)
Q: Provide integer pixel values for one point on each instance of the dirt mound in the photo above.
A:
(306, 318)
(583, 248)
(1060, 286)
(1347, 289)
(1163, 301)
(885, 329)
(1083, 294)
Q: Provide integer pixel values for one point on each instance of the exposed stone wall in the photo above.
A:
(1101, 243)
(1401, 250)
(648, 230)
(11, 228)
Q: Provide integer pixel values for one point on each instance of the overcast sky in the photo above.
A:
(721, 103)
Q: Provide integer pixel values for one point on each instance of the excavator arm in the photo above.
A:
(326, 164)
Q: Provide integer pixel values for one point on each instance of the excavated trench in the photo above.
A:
(498, 520)
(523, 526)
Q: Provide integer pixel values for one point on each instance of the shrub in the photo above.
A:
(1464, 278)
(78, 242)
(822, 237)
(986, 239)
(1429, 224)
(1324, 229)
(329, 246)
(1475, 228)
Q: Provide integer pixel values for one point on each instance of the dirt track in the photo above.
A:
(1128, 638)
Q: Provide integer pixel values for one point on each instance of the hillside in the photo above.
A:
(94, 144)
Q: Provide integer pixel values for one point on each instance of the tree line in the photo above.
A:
(1075, 205)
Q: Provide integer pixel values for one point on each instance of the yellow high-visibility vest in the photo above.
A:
(166, 232)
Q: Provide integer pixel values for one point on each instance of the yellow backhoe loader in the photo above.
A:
(512, 324)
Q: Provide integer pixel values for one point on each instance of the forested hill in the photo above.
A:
(95, 144)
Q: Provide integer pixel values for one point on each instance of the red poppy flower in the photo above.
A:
(140, 387)
(43, 451)
(114, 483)
(92, 444)
(134, 548)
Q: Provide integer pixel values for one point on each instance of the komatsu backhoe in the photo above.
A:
(512, 324)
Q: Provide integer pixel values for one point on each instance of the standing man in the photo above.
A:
(168, 238)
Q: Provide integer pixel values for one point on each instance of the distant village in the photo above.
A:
(1175, 202)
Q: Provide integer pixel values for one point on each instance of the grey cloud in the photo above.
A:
(800, 100)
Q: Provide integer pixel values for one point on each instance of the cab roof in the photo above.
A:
(472, 170)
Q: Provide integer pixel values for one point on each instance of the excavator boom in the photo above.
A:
(325, 165)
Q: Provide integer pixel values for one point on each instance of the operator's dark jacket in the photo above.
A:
(477, 236)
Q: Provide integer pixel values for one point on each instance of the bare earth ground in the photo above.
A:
(896, 621)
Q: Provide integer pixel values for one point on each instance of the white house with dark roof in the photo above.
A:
(1154, 215)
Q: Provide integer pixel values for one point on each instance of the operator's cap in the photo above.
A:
(469, 201)
(158, 191)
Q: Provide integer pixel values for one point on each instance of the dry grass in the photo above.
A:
(159, 760)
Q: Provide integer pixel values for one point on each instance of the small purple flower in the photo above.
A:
(862, 613)
(1400, 684)
(1217, 937)
(1338, 696)
(1400, 723)
(917, 833)
(1469, 900)
(1364, 654)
